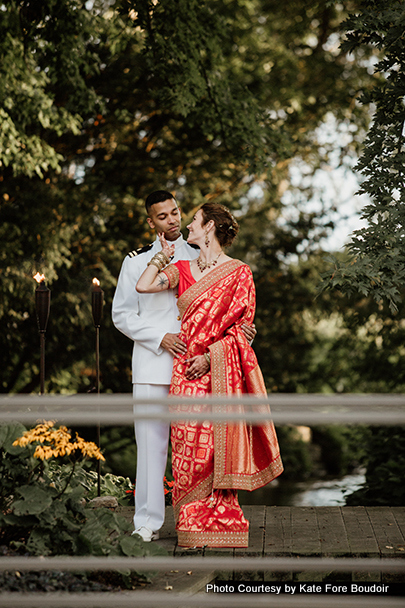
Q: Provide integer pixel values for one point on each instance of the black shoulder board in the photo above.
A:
(193, 246)
(136, 252)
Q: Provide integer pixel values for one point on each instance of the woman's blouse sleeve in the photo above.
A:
(173, 274)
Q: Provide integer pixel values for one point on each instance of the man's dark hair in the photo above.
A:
(157, 197)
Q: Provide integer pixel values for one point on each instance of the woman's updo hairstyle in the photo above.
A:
(226, 227)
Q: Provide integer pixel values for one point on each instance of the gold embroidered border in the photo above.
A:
(173, 274)
(254, 481)
(219, 386)
(213, 539)
(198, 288)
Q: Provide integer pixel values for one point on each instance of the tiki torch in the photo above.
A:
(97, 297)
(42, 307)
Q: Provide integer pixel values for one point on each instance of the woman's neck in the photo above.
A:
(210, 253)
(208, 258)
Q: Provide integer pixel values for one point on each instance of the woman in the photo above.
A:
(216, 295)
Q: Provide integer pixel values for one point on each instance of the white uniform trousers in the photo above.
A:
(152, 438)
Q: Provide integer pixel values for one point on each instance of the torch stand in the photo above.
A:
(42, 362)
(97, 298)
(98, 392)
(42, 306)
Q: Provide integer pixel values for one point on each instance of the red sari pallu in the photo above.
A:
(211, 461)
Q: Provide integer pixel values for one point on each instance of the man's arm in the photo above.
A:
(125, 315)
(125, 310)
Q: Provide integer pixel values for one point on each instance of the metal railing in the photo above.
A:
(116, 410)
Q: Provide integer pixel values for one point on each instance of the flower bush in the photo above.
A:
(42, 505)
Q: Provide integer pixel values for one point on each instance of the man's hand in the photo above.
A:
(197, 368)
(173, 345)
(249, 331)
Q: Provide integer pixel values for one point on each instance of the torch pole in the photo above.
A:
(98, 392)
(42, 307)
(42, 361)
(98, 360)
(97, 300)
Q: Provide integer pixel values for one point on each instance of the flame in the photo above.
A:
(96, 281)
(39, 277)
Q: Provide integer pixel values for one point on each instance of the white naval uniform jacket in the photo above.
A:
(146, 317)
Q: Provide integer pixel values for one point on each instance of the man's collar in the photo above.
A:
(179, 242)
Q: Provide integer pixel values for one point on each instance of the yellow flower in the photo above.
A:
(39, 453)
(56, 442)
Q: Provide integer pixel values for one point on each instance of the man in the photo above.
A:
(152, 321)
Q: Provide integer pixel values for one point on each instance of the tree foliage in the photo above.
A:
(385, 462)
(377, 263)
(204, 101)
(103, 101)
(44, 90)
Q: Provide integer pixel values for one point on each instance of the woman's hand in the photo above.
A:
(152, 280)
(166, 248)
(197, 368)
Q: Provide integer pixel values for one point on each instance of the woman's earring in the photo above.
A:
(207, 241)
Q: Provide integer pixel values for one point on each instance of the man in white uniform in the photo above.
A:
(152, 321)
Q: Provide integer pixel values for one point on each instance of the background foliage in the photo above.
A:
(376, 263)
(204, 99)
(103, 101)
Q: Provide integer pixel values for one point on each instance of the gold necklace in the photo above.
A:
(203, 265)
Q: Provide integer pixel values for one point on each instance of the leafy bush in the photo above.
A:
(385, 461)
(43, 509)
(342, 447)
(120, 487)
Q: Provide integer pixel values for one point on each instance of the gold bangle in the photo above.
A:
(208, 358)
(160, 260)
(155, 263)
(165, 257)
(162, 256)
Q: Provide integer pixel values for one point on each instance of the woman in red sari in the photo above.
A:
(216, 296)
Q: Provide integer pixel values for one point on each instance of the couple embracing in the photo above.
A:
(189, 308)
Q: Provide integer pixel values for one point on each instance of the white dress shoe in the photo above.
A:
(146, 534)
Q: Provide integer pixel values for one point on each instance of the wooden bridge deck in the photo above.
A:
(375, 532)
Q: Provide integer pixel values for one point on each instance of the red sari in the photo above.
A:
(211, 461)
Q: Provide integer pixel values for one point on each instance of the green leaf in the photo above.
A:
(35, 501)
(39, 543)
(8, 434)
(132, 545)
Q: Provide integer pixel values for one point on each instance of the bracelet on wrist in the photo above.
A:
(160, 260)
(208, 358)
(155, 263)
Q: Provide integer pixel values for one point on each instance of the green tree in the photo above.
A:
(376, 265)
(47, 55)
(376, 252)
(203, 101)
